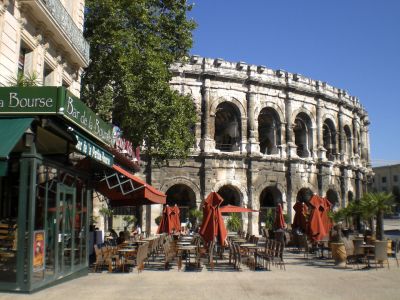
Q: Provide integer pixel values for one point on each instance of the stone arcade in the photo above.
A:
(264, 137)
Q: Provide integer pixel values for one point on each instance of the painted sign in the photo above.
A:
(77, 112)
(90, 149)
(38, 250)
(28, 100)
(124, 146)
(51, 101)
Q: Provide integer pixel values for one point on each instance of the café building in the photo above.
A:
(54, 153)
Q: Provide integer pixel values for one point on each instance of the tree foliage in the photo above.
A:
(133, 44)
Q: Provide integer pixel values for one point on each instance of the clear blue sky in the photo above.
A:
(351, 44)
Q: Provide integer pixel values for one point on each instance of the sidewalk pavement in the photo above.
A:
(303, 279)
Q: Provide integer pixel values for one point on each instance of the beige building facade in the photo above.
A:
(43, 40)
(387, 179)
(265, 137)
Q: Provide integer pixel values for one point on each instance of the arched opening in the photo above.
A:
(303, 134)
(269, 199)
(329, 139)
(227, 127)
(304, 195)
(333, 197)
(348, 141)
(350, 196)
(230, 195)
(269, 131)
(184, 197)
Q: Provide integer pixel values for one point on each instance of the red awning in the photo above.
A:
(235, 209)
(125, 189)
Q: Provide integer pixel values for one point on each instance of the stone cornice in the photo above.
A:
(262, 76)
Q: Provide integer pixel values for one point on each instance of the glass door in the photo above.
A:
(65, 230)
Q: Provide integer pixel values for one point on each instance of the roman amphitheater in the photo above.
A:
(265, 137)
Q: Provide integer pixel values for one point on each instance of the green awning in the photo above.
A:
(11, 130)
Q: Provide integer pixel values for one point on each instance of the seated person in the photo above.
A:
(121, 238)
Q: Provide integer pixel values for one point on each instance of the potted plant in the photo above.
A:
(158, 220)
(234, 223)
(269, 222)
(196, 216)
(375, 205)
(336, 237)
(129, 220)
(106, 213)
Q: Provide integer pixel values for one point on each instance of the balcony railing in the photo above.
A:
(67, 24)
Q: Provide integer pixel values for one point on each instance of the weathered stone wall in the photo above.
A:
(250, 89)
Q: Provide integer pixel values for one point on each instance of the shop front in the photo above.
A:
(45, 199)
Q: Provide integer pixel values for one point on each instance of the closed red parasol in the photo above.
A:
(279, 222)
(213, 225)
(235, 209)
(319, 224)
(299, 220)
(170, 220)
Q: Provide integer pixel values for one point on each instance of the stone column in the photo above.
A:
(291, 146)
(320, 142)
(365, 140)
(253, 145)
(282, 146)
(342, 136)
(356, 129)
(207, 142)
(367, 150)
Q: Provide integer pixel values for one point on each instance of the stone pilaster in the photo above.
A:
(253, 145)
(207, 142)
(342, 135)
(290, 145)
(321, 151)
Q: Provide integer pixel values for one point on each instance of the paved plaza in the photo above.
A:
(303, 279)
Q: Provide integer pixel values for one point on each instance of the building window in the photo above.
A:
(395, 179)
(24, 59)
(47, 75)
(384, 179)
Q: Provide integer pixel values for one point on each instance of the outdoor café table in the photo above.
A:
(185, 250)
(367, 249)
(183, 243)
(186, 238)
(239, 241)
(142, 241)
(250, 247)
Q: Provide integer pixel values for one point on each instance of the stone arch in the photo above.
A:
(233, 100)
(185, 181)
(329, 138)
(235, 184)
(182, 196)
(304, 194)
(269, 198)
(269, 130)
(260, 188)
(333, 196)
(348, 140)
(303, 134)
(274, 106)
(307, 112)
(350, 196)
(331, 117)
(228, 127)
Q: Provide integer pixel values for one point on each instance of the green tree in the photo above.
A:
(133, 44)
(196, 216)
(106, 213)
(375, 205)
(234, 222)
